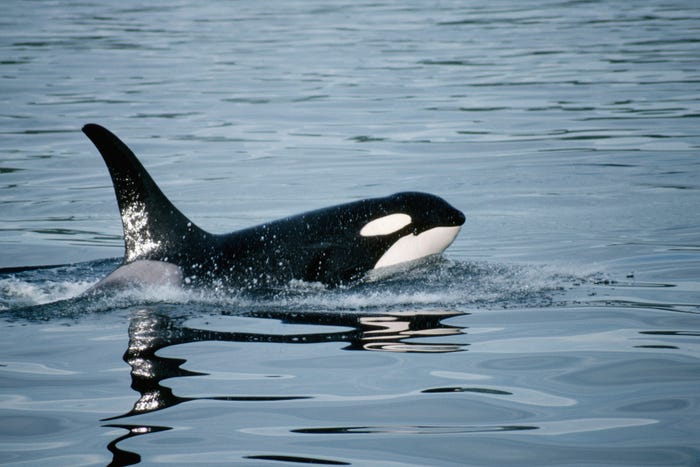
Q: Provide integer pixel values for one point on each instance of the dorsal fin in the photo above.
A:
(153, 227)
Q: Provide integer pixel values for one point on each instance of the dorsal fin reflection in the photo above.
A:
(151, 331)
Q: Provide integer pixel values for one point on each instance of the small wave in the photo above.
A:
(16, 293)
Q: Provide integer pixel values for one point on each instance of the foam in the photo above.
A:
(15, 292)
(440, 284)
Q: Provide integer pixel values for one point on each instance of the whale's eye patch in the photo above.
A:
(385, 225)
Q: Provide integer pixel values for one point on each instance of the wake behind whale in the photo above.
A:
(333, 246)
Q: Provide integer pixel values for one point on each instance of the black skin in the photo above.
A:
(324, 245)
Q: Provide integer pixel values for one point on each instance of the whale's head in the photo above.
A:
(410, 226)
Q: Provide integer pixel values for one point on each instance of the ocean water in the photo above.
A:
(561, 328)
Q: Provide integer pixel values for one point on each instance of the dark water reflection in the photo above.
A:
(122, 457)
(151, 331)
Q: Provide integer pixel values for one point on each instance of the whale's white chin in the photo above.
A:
(414, 247)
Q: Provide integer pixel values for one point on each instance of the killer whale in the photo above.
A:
(334, 245)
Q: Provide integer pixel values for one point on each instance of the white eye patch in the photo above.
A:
(386, 225)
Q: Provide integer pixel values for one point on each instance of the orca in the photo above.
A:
(334, 246)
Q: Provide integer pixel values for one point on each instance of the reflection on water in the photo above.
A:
(296, 459)
(151, 331)
(122, 457)
(414, 430)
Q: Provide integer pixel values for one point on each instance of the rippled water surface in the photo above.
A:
(561, 328)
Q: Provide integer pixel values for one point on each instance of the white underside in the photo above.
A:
(414, 247)
(142, 273)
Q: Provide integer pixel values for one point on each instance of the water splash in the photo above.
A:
(137, 236)
(441, 284)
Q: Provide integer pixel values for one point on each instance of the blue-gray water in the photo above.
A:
(562, 327)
